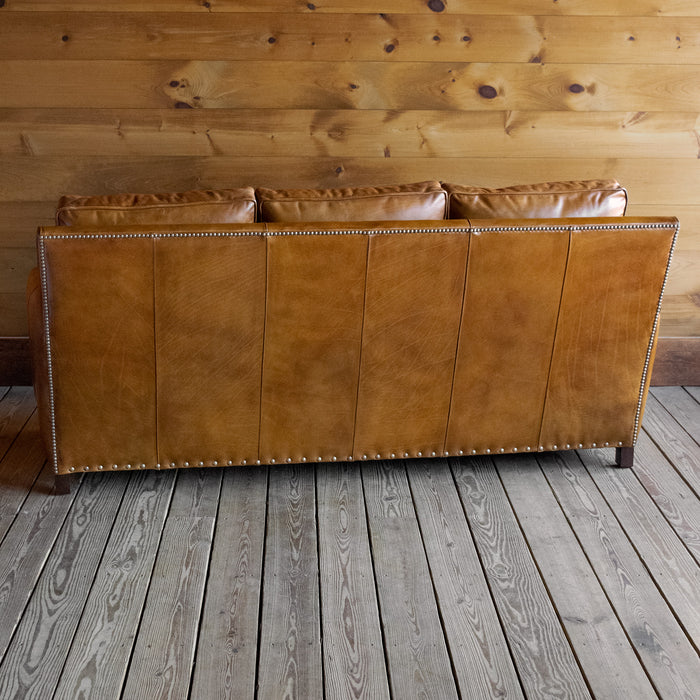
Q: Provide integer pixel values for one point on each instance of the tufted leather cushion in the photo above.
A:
(544, 200)
(422, 200)
(234, 206)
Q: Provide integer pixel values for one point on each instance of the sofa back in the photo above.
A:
(304, 342)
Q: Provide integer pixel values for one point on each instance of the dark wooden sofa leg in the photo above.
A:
(624, 456)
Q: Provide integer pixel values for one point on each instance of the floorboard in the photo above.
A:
(528, 576)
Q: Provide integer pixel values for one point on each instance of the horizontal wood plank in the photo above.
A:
(343, 133)
(362, 37)
(652, 8)
(22, 178)
(677, 361)
(349, 85)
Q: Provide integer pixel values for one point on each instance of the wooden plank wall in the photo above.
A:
(99, 96)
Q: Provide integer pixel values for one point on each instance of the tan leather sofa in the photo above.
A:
(239, 327)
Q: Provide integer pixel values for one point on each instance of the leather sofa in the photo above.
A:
(266, 326)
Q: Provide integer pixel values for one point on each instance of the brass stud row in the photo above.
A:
(334, 458)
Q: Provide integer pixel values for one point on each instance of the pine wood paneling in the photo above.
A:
(346, 133)
(652, 8)
(349, 85)
(347, 37)
(100, 97)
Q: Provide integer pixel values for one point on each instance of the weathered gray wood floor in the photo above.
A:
(548, 576)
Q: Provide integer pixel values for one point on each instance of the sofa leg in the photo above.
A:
(624, 456)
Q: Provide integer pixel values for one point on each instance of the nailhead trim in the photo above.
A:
(391, 455)
(347, 232)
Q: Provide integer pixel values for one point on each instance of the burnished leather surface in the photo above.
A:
(101, 310)
(209, 325)
(412, 312)
(607, 312)
(422, 200)
(544, 200)
(509, 318)
(291, 342)
(194, 207)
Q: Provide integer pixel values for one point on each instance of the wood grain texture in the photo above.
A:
(673, 441)
(478, 648)
(19, 468)
(365, 36)
(161, 662)
(431, 133)
(25, 549)
(669, 562)
(601, 646)
(354, 665)
(289, 661)
(670, 492)
(682, 406)
(667, 655)
(540, 650)
(456, 85)
(653, 8)
(227, 643)
(31, 179)
(32, 665)
(99, 657)
(417, 657)
(17, 405)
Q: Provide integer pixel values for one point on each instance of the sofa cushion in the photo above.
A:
(544, 200)
(422, 200)
(194, 207)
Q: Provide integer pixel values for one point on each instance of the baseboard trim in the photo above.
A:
(15, 361)
(677, 362)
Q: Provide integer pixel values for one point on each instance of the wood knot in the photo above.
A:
(436, 5)
(488, 92)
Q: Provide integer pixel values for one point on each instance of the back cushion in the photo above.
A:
(236, 206)
(545, 200)
(422, 200)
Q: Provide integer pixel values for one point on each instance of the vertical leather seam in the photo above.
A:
(155, 353)
(266, 239)
(554, 340)
(362, 342)
(459, 338)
